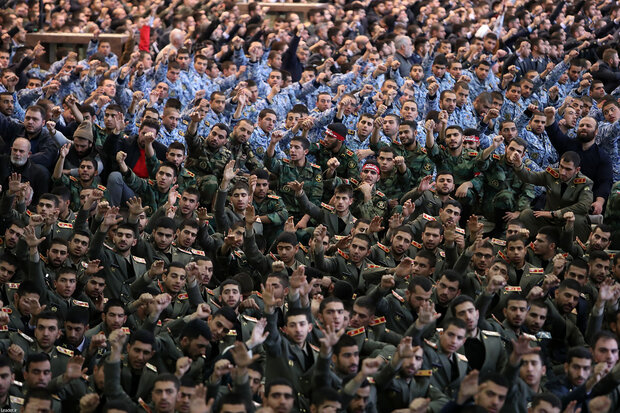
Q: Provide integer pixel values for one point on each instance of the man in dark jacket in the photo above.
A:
(19, 162)
(608, 71)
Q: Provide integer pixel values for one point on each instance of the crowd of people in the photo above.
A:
(381, 206)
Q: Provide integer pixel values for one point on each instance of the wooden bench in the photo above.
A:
(77, 42)
(282, 8)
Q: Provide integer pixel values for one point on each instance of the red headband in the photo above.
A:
(333, 134)
(372, 167)
(472, 138)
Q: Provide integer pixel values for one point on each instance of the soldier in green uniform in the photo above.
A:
(269, 207)
(395, 176)
(407, 146)
(368, 201)
(568, 190)
(207, 156)
(337, 218)
(297, 168)
(333, 156)
(363, 316)
(238, 145)
(175, 155)
(505, 195)
(87, 177)
(428, 199)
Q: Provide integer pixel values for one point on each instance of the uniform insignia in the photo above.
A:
(184, 251)
(25, 336)
(101, 187)
(182, 296)
(7, 310)
(4, 328)
(314, 348)
(381, 204)
(139, 260)
(496, 156)
(398, 297)
(543, 334)
(460, 230)
(126, 330)
(151, 367)
(273, 196)
(535, 270)
(64, 351)
(581, 244)
(189, 173)
(232, 333)
(372, 266)
(84, 264)
(579, 181)
(318, 178)
(273, 257)
(531, 246)
(343, 254)
(356, 332)
(16, 400)
(512, 289)
(424, 373)
(315, 165)
(80, 303)
(370, 380)
(377, 321)
(502, 256)
(238, 254)
(424, 150)
(28, 212)
(145, 406)
(442, 254)
(473, 153)
(352, 165)
(327, 206)
(198, 252)
(303, 247)
(429, 217)
(151, 182)
(354, 181)
(13, 286)
(351, 132)
(461, 357)
(552, 172)
(381, 194)
(416, 244)
(73, 178)
(65, 225)
(43, 258)
(209, 291)
(349, 152)
(430, 344)
(185, 122)
(428, 167)
(498, 241)
(207, 123)
(18, 383)
(491, 333)
(247, 317)
(383, 247)
(159, 324)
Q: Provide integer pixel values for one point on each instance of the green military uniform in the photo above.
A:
(244, 156)
(377, 206)
(207, 164)
(573, 196)
(181, 304)
(75, 186)
(436, 360)
(146, 189)
(502, 189)
(258, 261)
(101, 135)
(310, 174)
(148, 250)
(463, 168)
(348, 167)
(59, 356)
(417, 160)
(273, 207)
(168, 351)
(327, 216)
(146, 380)
(612, 215)
(397, 310)
(116, 268)
(428, 202)
(371, 346)
(340, 268)
(226, 217)
(185, 179)
(395, 184)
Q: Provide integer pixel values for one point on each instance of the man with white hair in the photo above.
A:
(18, 162)
(177, 37)
(404, 51)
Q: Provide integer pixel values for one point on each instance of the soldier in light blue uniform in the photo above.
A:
(97, 46)
(608, 134)
(261, 136)
(482, 79)
(539, 146)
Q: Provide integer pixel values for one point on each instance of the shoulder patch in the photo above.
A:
(356, 332)
(25, 336)
(314, 348)
(273, 196)
(139, 260)
(383, 247)
(327, 206)
(314, 165)
(247, 317)
(16, 400)
(64, 351)
(496, 156)
(398, 297)
(417, 244)
(198, 252)
(349, 152)
(579, 180)
(151, 367)
(80, 303)
(189, 173)
(381, 194)
(377, 321)
(182, 296)
(430, 344)
(503, 256)
(552, 172)
(13, 286)
(424, 373)
(491, 333)
(581, 244)
(442, 254)
(429, 217)
(126, 330)
(343, 254)
(101, 187)
(462, 357)
(73, 178)
(498, 241)
(65, 225)
(473, 153)
(7, 310)
(535, 270)
(512, 289)
(460, 230)
(372, 266)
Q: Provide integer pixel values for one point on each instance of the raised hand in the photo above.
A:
(182, 366)
(296, 187)
(241, 355)
(259, 335)
(330, 338)
(31, 238)
(157, 269)
(135, 206)
(74, 368)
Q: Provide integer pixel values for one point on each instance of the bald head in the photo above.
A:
(586, 131)
(20, 151)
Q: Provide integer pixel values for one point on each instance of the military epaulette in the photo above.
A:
(126, 330)
(247, 317)
(380, 194)
(181, 133)
(536, 270)
(43, 258)
(207, 123)
(356, 332)
(314, 348)
(232, 333)
(18, 383)
(429, 217)
(424, 373)
(64, 351)
(430, 344)
(462, 357)
(512, 289)
(327, 206)
(303, 247)
(343, 254)
(496, 156)
(349, 152)
(315, 165)
(423, 150)
(4, 328)
(185, 122)
(198, 252)
(273, 257)
(498, 241)
(7, 310)
(354, 181)
(372, 266)
(581, 244)
(398, 297)
(531, 246)
(73, 178)
(159, 324)
(151, 367)
(351, 131)
(442, 254)
(65, 225)
(151, 182)
(28, 212)
(579, 181)
(552, 172)
(139, 260)
(182, 296)
(383, 247)
(190, 173)
(502, 256)
(473, 153)
(370, 380)
(101, 187)
(460, 230)
(80, 303)
(339, 237)
(145, 406)
(491, 333)
(209, 291)
(416, 244)
(377, 321)
(98, 126)
(13, 286)
(238, 254)
(184, 251)
(273, 196)
(287, 160)
(16, 400)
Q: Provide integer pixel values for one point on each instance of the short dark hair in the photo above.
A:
(496, 378)
(344, 341)
(578, 352)
(423, 282)
(38, 393)
(166, 377)
(280, 381)
(463, 298)
(571, 156)
(36, 358)
(550, 398)
(570, 284)
(453, 321)
(143, 336)
(292, 312)
(324, 394)
(150, 123)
